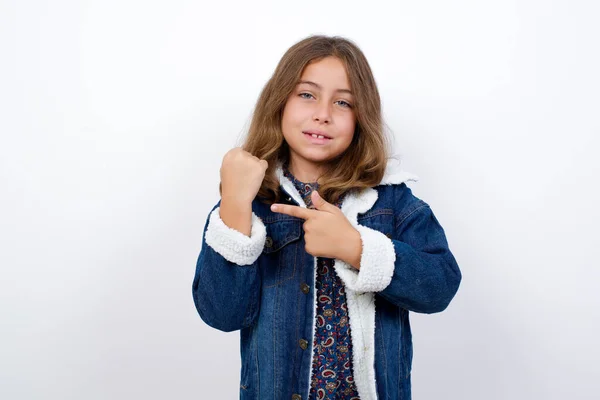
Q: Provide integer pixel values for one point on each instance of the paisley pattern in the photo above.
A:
(332, 357)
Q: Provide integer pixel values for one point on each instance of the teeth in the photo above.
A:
(318, 136)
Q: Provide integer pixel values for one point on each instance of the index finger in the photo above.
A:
(294, 211)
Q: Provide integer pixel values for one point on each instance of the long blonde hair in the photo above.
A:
(364, 162)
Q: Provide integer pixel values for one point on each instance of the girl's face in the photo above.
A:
(321, 104)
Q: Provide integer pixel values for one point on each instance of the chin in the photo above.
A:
(316, 155)
(320, 160)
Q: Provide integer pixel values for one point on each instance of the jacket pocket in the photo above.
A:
(381, 220)
(282, 253)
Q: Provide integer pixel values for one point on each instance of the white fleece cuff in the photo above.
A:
(233, 245)
(376, 263)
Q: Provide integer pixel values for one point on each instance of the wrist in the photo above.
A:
(236, 215)
(351, 248)
(236, 201)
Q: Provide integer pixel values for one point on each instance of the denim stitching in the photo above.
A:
(275, 330)
(256, 360)
(299, 302)
(269, 219)
(385, 211)
(409, 214)
(382, 347)
(249, 311)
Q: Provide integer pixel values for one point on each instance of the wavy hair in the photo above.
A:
(363, 163)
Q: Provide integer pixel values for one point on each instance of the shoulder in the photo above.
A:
(394, 192)
(399, 198)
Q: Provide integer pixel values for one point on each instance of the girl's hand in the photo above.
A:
(327, 231)
(241, 175)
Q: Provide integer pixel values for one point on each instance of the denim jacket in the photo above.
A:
(263, 285)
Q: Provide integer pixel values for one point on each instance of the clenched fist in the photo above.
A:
(241, 175)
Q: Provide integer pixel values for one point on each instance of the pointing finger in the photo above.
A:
(294, 211)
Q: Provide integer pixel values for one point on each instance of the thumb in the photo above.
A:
(320, 203)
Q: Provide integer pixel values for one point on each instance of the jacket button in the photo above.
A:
(296, 397)
(303, 344)
(269, 242)
(305, 288)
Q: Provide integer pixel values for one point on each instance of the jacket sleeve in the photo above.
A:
(413, 269)
(226, 286)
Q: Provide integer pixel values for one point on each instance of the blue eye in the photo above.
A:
(307, 96)
(346, 103)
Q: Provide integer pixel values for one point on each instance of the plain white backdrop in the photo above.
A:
(114, 118)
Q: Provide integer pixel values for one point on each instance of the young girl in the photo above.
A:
(318, 249)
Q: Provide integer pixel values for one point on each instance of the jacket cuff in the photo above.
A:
(233, 245)
(377, 263)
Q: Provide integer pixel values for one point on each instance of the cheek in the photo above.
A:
(291, 121)
(286, 119)
(347, 126)
(294, 112)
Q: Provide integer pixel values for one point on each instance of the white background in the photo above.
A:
(114, 117)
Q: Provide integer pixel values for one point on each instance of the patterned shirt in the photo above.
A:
(332, 376)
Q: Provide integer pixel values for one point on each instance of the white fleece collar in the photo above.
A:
(394, 175)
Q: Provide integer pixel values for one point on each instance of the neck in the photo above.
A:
(306, 171)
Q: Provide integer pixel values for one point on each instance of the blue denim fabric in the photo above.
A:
(265, 301)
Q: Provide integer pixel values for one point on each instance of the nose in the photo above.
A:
(322, 113)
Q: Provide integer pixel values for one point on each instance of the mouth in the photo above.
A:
(316, 137)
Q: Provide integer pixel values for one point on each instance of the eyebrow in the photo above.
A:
(319, 87)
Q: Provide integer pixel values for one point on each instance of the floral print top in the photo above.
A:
(332, 376)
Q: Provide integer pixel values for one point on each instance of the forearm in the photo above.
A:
(417, 271)
(423, 282)
(226, 295)
(226, 285)
(350, 248)
(236, 214)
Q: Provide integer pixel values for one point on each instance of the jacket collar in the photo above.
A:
(394, 175)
